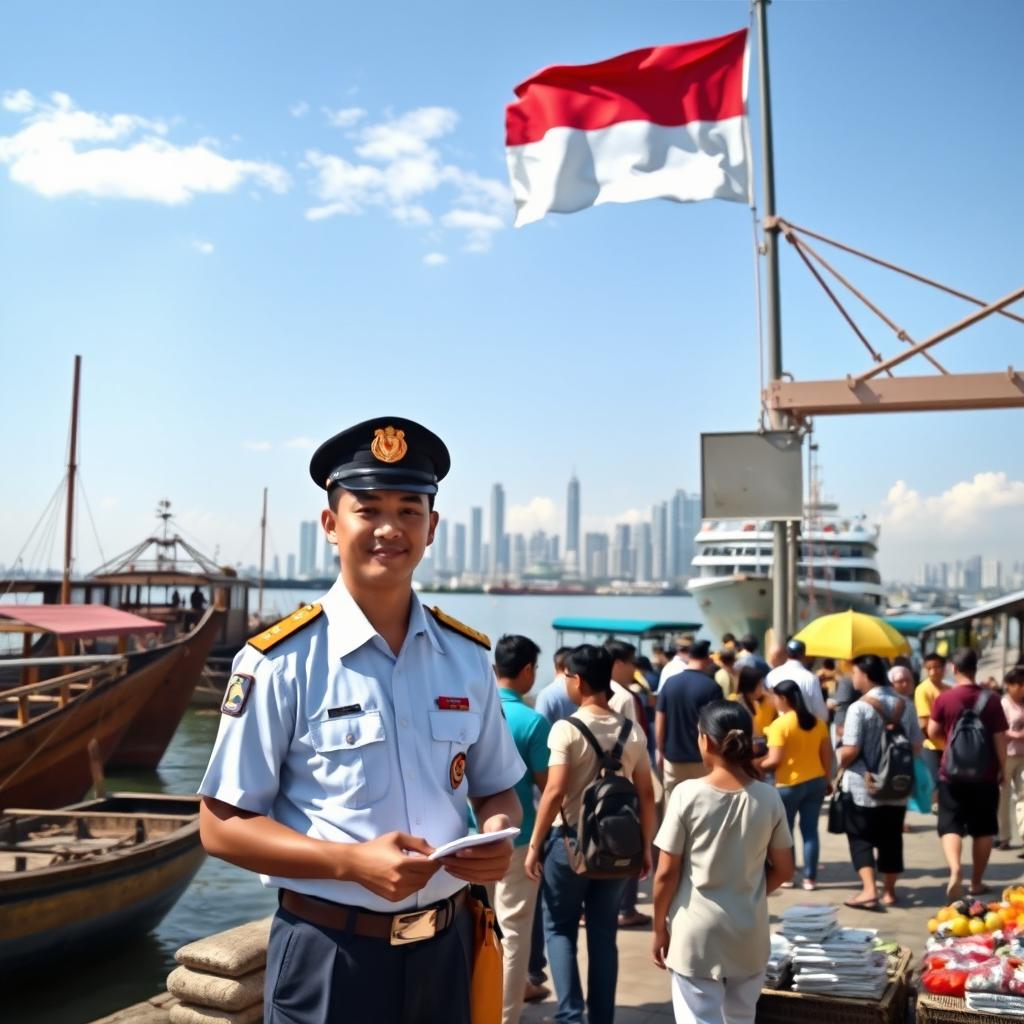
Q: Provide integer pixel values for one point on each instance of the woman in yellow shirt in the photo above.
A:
(800, 754)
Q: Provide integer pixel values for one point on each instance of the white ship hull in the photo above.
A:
(743, 604)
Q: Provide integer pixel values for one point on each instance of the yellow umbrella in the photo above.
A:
(849, 634)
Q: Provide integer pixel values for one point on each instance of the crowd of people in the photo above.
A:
(728, 752)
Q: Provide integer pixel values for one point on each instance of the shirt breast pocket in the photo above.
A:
(453, 732)
(355, 767)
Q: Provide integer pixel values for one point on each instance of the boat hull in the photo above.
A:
(743, 604)
(97, 902)
(150, 732)
(45, 763)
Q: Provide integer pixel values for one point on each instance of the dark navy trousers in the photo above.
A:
(317, 975)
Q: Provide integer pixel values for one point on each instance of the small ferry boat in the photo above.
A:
(93, 873)
(836, 569)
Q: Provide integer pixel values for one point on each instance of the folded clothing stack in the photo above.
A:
(808, 922)
(830, 960)
(996, 1002)
(778, 961)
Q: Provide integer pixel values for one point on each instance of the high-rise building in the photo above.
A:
(330, 559)
(290, 562)
(642, 554)
(276, 570)
(517, 550)
(991, 574)
(972, 574)
(683, 526)
(621, 560)
(595, 556)
(440, 551)
(307, 548)
(497, 540)
(552, 555)
(476, 540)
(659, 541)
(458, 562)
(572, 524)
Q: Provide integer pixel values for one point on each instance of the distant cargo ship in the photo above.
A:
(836, 570)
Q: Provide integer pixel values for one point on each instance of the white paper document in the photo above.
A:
(477, 839)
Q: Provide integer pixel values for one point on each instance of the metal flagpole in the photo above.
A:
(781, 561)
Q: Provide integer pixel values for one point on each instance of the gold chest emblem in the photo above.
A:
(389, 444)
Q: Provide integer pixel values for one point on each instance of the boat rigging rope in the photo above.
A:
(48, 514)
(92, 521)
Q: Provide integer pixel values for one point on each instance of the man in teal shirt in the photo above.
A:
(515, 896)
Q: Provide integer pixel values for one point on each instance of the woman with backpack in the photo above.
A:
(872, 809)
(571, 859)
(724, 845)
(800, 754)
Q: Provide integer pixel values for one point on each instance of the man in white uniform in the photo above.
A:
(353, 734)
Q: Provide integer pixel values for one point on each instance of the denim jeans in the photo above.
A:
(805, 799)
(538, 961)
(566, 895)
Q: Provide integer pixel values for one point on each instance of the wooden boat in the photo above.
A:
(92, 873)
(152, 729)
(44, 759)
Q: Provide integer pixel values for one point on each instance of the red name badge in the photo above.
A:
(452, 703)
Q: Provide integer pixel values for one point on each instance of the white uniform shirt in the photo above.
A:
(810, 685)
(621, 701)
(384, 761)
(672, 668)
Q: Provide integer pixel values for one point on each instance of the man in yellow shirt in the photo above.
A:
(924, 697)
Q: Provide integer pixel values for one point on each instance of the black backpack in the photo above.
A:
(893, 778)
(609, 841)
(969, 750)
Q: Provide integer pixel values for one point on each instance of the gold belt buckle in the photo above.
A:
(413, 927)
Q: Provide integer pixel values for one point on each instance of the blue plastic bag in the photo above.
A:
(921, 798)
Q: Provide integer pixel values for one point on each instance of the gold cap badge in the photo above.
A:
(389, 444)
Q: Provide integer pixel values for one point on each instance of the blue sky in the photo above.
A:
(260, 223)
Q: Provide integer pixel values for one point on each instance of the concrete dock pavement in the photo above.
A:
(643, 990)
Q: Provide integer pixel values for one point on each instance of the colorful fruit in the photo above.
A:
(993, 920)
(933, 925)
(977, 926)
(945, 914)
(960, 926)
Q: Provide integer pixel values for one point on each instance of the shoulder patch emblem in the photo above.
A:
(285, 628)
(457, 770)
(460, 627)
(236, 695)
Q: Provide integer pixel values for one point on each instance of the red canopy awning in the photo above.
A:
(78, 620)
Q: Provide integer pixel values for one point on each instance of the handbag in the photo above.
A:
(485, 991)
(837, 808)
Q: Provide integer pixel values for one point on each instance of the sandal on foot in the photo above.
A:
(980, 890)
(856, 904)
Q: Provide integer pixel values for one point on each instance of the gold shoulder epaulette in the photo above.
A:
(460, 627)
(285, 628)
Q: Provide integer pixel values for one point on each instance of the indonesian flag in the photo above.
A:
(667, 122)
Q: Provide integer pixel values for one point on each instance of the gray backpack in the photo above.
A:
(893, 778)
(969, 748)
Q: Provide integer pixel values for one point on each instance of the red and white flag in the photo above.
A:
(667, 122)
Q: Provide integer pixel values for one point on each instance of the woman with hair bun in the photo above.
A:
(800, 754)
(725, 844)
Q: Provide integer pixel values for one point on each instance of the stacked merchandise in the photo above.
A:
(778, 962)
(834, 961)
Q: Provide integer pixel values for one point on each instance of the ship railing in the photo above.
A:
(59, 690)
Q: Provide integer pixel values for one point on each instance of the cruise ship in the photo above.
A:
(732, 582)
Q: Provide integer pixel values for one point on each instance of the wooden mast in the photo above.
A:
(69, 518)
(263, 553)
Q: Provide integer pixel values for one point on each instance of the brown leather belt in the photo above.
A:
(399, 929)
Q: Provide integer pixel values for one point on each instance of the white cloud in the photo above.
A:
(981, 515)
(345, 117)
(607, 524)
(300, 109)
(966, 507)
(407, 135)
(206, 248)
(397, 165)
(305, 443)
(61, 150)
(435, 259)
(21, 101)
(537, 514)
(257, 446)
